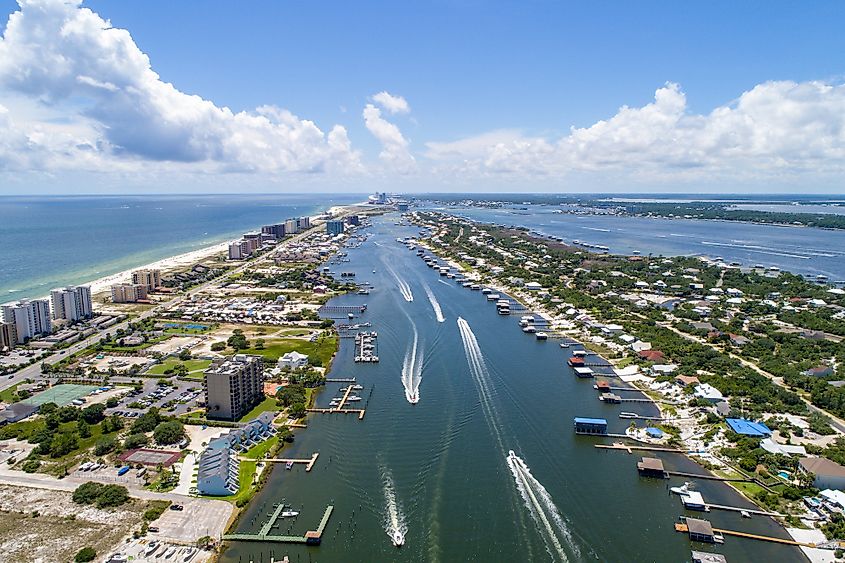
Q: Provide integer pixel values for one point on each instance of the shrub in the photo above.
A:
(135, 441)
(87, 493)
(31, 465)
(85, 554)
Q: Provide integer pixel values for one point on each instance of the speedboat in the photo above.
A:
(413, 397)
(289, 465)
(686, 488)
(353, 399)
(398, 538)
(564, 344)
(289, 514)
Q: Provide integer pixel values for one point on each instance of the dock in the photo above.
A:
(679, 527)
(309, 462)
(630, 447)
(341, 380)
(313, 537)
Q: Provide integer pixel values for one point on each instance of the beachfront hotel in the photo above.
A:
(128, 292)
(149, 278)
(335, 227)
(31, 317)
(234, 386)
(71, 303)
(8, 336)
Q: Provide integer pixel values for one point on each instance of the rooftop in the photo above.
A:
(821, 466)
(748, 427)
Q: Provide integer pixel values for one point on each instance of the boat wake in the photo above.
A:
(480, 375)
(394, 520)
(403, 286)
(412, 370)
(544, 512)
(438, 312)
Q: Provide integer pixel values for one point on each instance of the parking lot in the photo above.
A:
(198, 518)
(160, 396)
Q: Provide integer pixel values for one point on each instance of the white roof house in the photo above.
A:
(708, 392)
(293, 360)
(533, 286)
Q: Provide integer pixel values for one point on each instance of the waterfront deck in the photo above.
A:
(312, 537)
(309, 462)
(630, 447)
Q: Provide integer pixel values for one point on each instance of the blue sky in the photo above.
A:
(492, 88)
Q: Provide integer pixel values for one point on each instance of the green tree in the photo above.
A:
(112, 495)
(185, 355)
(63, 444)
(105, 445)
(170, 432)
(135, 441)
(93, 414)
(87, 493)
(83, 428)
(218, 346)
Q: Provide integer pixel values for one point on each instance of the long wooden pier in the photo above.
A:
(313, 537)
(630, 447)
(340, 380)
(679, 527)
(309, 462)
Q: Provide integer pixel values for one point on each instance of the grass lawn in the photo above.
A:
(171, 363)
(8, 395)
(275, 348)
(268, 404)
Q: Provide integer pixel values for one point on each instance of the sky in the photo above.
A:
(156, 96)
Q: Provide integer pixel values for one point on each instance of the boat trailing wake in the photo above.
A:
(546, 516)
(403, 286)
(394, 520)
(438, 312)
(412, 370)
(544, 512)
(478, 370)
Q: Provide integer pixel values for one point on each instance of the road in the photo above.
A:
(34, 371)
(835, 421)
(199, 517)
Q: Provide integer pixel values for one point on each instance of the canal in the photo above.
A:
(439, 470)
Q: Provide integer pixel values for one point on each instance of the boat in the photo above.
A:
(745, 514)
(374, 271)
(289, 514)
(413, 397)
(684, 489)
(624, 414)
(529, 330)
(353, 399)
(564, 344)
(288, 465)
(542, 336)
(398, 538)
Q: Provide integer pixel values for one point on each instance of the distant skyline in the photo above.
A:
(157, 96)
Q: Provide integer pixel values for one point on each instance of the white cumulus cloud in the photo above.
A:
(391, 104)
(65, 56)
(775, 128)
(395, 152)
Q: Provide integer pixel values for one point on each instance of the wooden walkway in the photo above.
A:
(685, 529)
(309, 462)
(630, 447)
(313, 537)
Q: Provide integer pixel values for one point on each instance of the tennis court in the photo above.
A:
(62, 395)
(150, 457)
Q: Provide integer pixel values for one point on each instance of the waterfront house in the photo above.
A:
(590, 426)
(700, 530)
(828, 474)
(651, 355)
(293, 360)
(217, 474)
(783, 449)
(651, 467)
(708, 392)
(684, 380)
(747, 427)
(533, 286)
(819, 371)
(738, 340)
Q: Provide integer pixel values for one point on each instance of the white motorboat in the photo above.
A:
(398, 538)
(289, 513)
(684, 489)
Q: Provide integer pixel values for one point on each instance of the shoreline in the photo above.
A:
(102, 284)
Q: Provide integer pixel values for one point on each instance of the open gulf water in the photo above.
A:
(51, 241)
(440, 472)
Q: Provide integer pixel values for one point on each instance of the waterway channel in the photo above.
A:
(438, 470)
